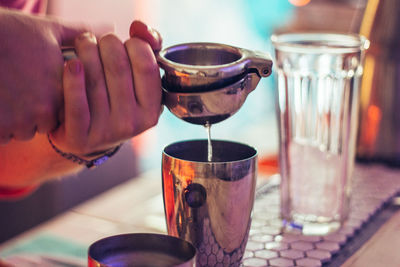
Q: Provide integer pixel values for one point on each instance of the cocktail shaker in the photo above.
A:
(209, 203)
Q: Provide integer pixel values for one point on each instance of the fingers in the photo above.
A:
(147, 81)
(25, 135)
(88, 53)
(5, 135)
(66, 34)
(152, 37)
(112, 92)
(73, 133)
(23, 125)
(77, 113)
(117, 70)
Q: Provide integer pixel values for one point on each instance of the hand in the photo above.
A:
(31, 65)
(111, 92)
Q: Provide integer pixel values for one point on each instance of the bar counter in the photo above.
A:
(371, 236)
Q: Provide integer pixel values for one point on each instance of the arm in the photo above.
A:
(98, 115)
(31, 163)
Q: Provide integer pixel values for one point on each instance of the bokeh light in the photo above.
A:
(299, 2)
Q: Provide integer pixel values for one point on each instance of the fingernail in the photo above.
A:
(74, 66)
(88, 35)
(136, 24)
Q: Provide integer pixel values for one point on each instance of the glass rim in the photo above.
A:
(318, 42)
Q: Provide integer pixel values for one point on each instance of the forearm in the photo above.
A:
(32, 163)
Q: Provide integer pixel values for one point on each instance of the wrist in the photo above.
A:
(93, 159)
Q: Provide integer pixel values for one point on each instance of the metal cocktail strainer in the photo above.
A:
(205, 83)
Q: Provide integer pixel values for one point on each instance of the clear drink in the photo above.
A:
(318, 92)
(209, 144)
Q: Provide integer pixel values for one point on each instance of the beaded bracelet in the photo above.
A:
(105, 155)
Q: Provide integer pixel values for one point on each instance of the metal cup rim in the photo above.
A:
(235, 63)
(156, 242)
(167, 64)
(253, 153)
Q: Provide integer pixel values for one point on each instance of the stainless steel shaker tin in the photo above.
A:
(141, 249)
(209, 203)
(208, 82)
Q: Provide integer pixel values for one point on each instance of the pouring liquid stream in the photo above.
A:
(209, 145)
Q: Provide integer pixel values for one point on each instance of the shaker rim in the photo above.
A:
(251, 151)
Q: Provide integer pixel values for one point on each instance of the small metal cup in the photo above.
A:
(141, 250)
(208, 82)
(209, 203)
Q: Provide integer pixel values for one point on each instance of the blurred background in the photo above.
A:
(243, 23)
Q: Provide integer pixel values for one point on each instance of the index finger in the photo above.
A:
(142, 31)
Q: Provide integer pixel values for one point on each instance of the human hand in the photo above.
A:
(31, 65)
(111, 92)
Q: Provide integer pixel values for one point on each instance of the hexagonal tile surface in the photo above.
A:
(254, 262)
(292, 254)
(322, 255)
(268, 245)
(266, 254)
(308, 262)
(281, 262)
(302, 245)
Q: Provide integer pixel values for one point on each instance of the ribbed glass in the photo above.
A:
(318, 92)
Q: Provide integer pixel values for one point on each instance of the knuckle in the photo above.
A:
(153, 119)
(126, 130)
(113, 54)
(5, 136)
(149, 121)
(140, 123)
(86, 39)
(109, 40)
(86, 48)
(142, 56)
(25, 135)
(23, 124)
(46, 118)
